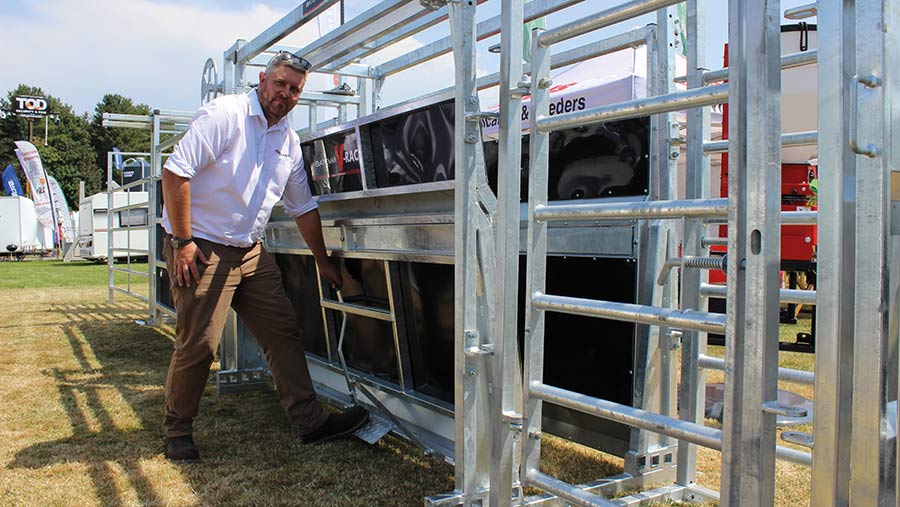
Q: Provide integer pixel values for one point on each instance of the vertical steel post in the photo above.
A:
(830, 485)
(693, 377)
(754, 246)
(472, 441)
(653, 390)
(872, 472)
(110, 273)
(154, 214)
(536, 261)
(506, 414)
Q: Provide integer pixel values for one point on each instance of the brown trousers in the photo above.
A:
(248, 280)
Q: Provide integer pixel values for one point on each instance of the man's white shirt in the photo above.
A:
(239, 168)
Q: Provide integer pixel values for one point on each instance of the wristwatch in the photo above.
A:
(177, 242)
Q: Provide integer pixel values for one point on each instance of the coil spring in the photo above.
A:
(717, 262)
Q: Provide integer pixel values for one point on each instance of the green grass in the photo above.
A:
(37, 274)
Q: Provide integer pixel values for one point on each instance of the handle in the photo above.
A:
(869, 81)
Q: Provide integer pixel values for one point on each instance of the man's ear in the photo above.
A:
(262, 76)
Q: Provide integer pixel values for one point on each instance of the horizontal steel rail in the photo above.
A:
(133, 272)
(692, 208)
(132, 294)
(785, 374)
(485, 29)
(628, 312)
(170, 142)
(363, 311)
(134, 228)
(787, 218)
(787, 62)
(808, 138)
(602, 19)
(135, 251)
(708, 241)
(675, 428)
(138, 205)
(799, 297)
(677, 101)
(634, 417)
(573, 494)
(279, 30)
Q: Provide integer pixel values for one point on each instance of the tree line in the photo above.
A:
(77, 144)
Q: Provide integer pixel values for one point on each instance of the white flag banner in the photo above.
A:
(62, 210)
(40, 191)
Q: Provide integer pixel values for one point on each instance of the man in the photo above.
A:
(238, 158)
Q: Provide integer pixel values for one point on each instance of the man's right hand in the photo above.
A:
(185, 260)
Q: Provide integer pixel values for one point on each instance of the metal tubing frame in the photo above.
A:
(754, 242)
(873, 466)
(474, 256)
(692, 388)
(830, 483)
(506, 402)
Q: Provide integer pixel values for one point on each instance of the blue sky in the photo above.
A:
(154, 50)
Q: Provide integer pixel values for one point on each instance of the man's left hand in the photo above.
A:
(329, 270)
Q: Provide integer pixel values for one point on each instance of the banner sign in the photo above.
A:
(117, 158)
(62, 210)
(34, 170)
(11, 182)
(30, 106)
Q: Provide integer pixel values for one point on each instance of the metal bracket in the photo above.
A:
(433, 5)
(798, 438)
(773, 407)
(869, 81)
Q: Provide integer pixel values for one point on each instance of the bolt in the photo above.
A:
(472, 372)
(471, 139)
(545, 83)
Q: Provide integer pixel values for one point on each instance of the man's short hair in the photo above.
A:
(289, 59)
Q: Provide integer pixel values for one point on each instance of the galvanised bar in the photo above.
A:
(363, 311)
(572, 56)
(787, 62)
(628, 312)
(785, 374)
(280, 29)
(487, 28)
(506, 369)
(800, 297)
(754, 238)
(692, 388)
(695, 208)
(808, 138)
(602, 19)
(678, 101)
(788, 218)
(676, 428)
(566, 491)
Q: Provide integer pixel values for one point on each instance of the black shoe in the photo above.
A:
(338, 425)
(182, 449)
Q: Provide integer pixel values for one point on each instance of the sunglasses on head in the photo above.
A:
(293, 60)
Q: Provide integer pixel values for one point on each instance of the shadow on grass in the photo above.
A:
(251, 456)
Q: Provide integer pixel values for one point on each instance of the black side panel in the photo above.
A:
(333, 163)
(298, 275)
(369, 343)
(163, 289)
(584, 354)
(601, 160)
(416, 147)
(428, 308)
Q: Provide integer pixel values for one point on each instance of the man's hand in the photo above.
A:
(185, 260)
(329, 270)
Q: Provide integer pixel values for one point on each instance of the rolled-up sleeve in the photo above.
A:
(205, 139)
(297, 199)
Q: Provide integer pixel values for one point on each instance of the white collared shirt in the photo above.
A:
(239, 168)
